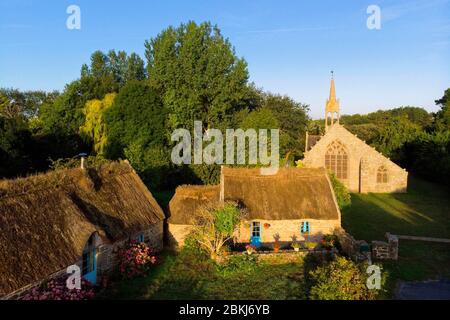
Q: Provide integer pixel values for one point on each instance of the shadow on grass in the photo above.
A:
(423, 211)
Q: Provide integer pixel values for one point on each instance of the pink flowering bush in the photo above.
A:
(56, 289)
(135, 259)
(250, 248)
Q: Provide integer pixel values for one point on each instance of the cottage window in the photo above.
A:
(304, 227)
(140, 237)
(382, 175)
(336, 160)
(256, 229)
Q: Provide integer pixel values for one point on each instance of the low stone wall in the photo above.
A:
(383, 250)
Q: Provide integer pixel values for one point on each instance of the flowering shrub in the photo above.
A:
(56, 289)
(330, 241)
(135, 259)
(250, 248)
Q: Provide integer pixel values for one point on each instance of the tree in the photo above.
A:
(429, 156)
(4, 104)
(442, 117)
(137, 114)
(293, 120)
(198, 75)
(14, 103)
(135, 129)
(395, 133)
(94, 127)
(214, 226)
(15, 145)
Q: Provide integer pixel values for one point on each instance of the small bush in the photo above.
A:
(330, 241)
(340, 279)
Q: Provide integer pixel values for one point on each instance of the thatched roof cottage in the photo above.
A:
(75, 216)
(292, 205)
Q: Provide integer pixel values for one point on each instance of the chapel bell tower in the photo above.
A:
(332, 112)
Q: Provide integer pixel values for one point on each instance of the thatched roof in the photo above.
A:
(292, 193)
(45, 220)
(188, 199)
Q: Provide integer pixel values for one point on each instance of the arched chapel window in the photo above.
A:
(336, 159)
(382, 175)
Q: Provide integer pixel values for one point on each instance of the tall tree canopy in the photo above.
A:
(198, 75)
(442, 117)
(94, 127)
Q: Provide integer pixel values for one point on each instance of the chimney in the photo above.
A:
(82, 155)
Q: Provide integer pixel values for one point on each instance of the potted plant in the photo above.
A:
(276, 246)
(266, 225)
(250, 248)
(310, 245)
(296, 246)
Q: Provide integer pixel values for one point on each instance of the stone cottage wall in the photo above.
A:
(363, 163)
(177, 234)
(287, 230)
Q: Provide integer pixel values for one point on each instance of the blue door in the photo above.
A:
(255, 229)
(90, 265)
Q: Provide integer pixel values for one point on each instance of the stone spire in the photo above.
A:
(332, 106)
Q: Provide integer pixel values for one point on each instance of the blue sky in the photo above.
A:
(290, 46)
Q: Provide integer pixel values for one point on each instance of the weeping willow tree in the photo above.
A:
(94, 127)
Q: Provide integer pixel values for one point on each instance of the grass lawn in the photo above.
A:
(423, 211)
(185, 276)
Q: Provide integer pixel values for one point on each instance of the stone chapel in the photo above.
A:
(359, 166)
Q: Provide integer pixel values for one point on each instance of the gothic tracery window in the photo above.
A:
(336, 160)
(382, 175)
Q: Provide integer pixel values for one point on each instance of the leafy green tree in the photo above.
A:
(15, 144)
(4, 103)
(137, 114)
(94, 127)
(135, 68)
(442, 117)
(429, 156)
(65, 115)
(152, 162)
(135, 130)
(395, 133)
(293, 120)
(198, 75)
(214, 226)
(14, 102)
